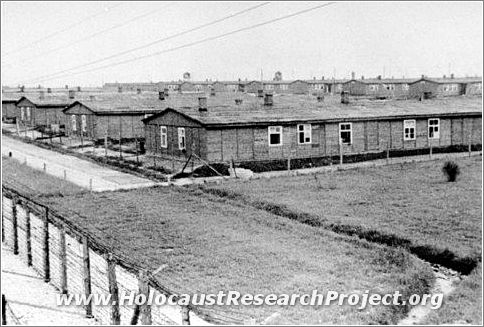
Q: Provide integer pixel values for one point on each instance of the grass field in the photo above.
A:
(210, 246)
(34, 182)
(412, 201)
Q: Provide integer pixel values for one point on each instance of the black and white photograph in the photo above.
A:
(241, 163)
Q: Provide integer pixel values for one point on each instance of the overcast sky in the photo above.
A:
(371, 38)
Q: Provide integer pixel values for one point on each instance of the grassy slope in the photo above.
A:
(411, 200)
(34, 182)
(464, 305)
(211, 246)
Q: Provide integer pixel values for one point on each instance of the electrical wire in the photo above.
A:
(88, 37)
(189, 44)
(83, 21)
(157, 41)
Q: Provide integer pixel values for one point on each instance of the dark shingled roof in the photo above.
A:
(289, 109)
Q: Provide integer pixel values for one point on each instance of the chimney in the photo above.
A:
(345, 97)
(238, 101)
(362, 77)
(138, 91)
(78, 89)
(322, 78)
(72, 94)
(445, 76)
(41, 95)
(423, 76)
(66, 86)
(320, 98)
(378, 77)
(268, 100)
(352, 75)
(22, 88)
(120, 89)
(260, 93)
(49, 90)
(161, 95)
(314, 78)
(202, 104)
(451, 76)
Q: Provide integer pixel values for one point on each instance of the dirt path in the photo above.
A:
(32, 301)
(77, 171)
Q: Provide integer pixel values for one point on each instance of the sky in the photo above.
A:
(392, 39)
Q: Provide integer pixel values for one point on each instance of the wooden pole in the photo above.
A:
(185, 312)
(90, 184)
(470, 147)
(113, 290)
(388, 154)
(28, 236)
(4, 310)
(45, 247)
(106, 145)
(87, 275)
(430, 152)
(289, 163)
(15, 225)
(145, 309)
(45, 167)
(120, 136)
(340, 153)
(65, 174)
(63, 260)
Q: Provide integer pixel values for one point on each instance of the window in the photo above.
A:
(409, 130)
(83, 123)
(269, 87)
(345, 133)
(22, 113)
(304, 133)
(374, 87)
(74, 123)
(434, 131)
(284, 86)
(27, 112)
(163, 137)
(390, 87)
(181, 138)
(454, 87)
(405, 87)
(275, 135)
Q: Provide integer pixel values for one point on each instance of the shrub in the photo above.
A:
(451, 170)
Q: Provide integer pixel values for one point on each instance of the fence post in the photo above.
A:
(185, 312)
(28, 237)
(388, 154)
(113, 290)
(45, 167)
(430, 152)
(45, 247)
(87, 275)
(289, 163)
(4, 310)
(63, 259)
(15, 225)
(145, 309)
(65, 175)
(90, 184)
(3, 224)
(470, 147)
(340, 153)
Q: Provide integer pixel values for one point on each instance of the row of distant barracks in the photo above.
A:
(372, 87)
(245, 127)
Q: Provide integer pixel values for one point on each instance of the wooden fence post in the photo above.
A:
(113, 290)
(430, 152)
(289, 163)
(388, 154)
(45, 247)
(145, 309)
(4, 310)
(63, 259)
(340, 153)
(3, 224)
(28, 236)
(470, 147)
(87, 275)
(15, 225)
(185, 312)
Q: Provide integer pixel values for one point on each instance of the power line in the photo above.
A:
(98, 33)
(156, 41)
(191, 43)
(83, 21)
